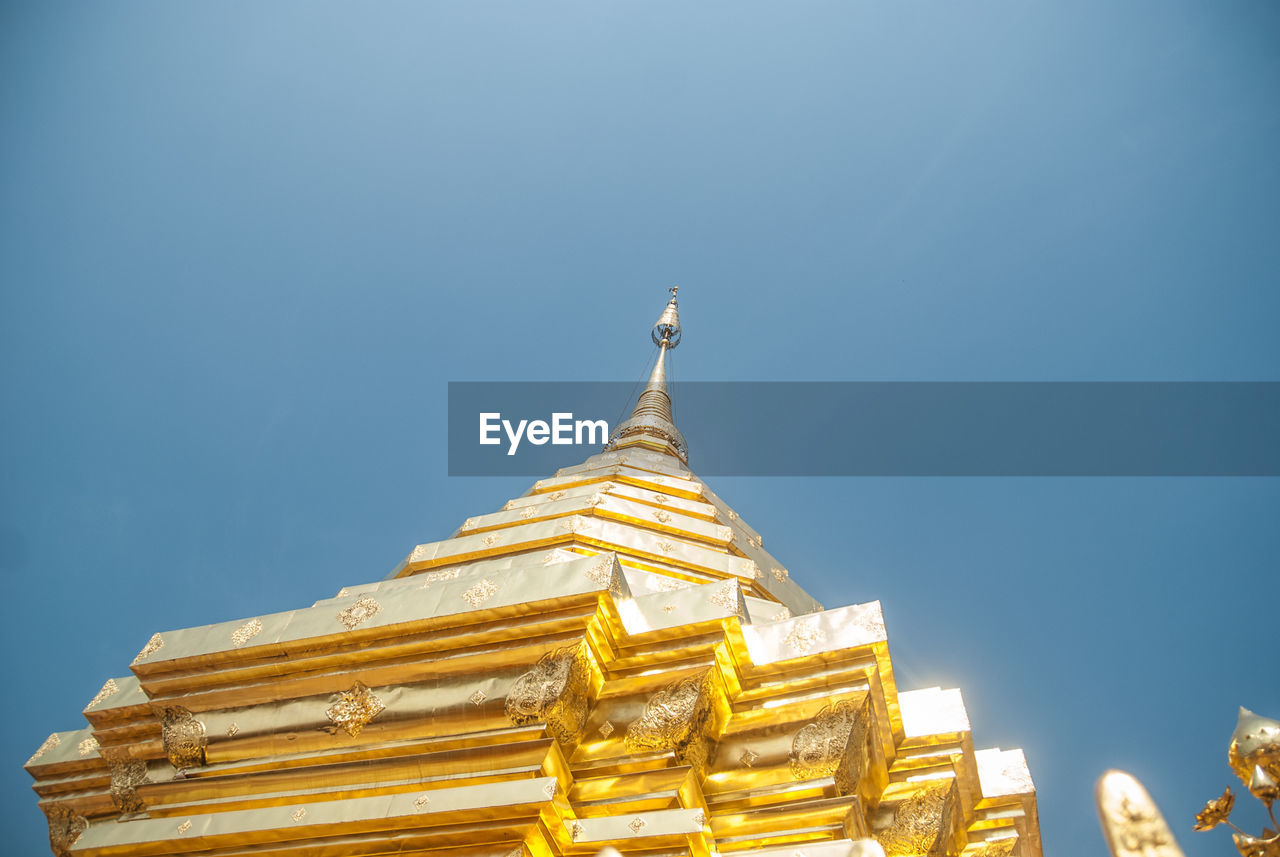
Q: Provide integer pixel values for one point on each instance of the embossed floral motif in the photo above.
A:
(421, 801)
(528, 512)
(748, 757)
(726, 598)
(107, 690)
(299, 815)
(660, 498)
(666, 547)
(637, 824)
(781, 573)
(87, 746)
(661, 516)
(804, 636)
(491, 539)
(477, 595)
(672, 718)
(575, 830)
(605, 574)
(184, 738)
(65, 828)
(918, 821)
(554, 691)
(153, 645)
(358, 613)
(606, 729)
(818, 746)
(468, 524)
(233, 730)
(550, 790)
(478, 697)
(700, 818)
(436, 576)
(126, 776)
(49, 743)
(668, 608)
(509, 505)
(246, 632)
(556, 495)
(184, 827)
(354, 709)
(343, 592)
(781, 616)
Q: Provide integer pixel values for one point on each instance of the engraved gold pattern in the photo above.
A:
(781, 616)
(818, 746)
(726, 598)
(65, 828)
(550, 790)
(358, 613)
(637, 824)
(554, 691)
(126, 776)
(49, 743)
(781, 573)
(153, 645)
(528, 512)
(87, 746)
(804, 636)
(107, 690)
(480, 593)
(917, 821)
(606, 729)
(478, 697)
(246, 632)
(491, 539)
(421, 801)
(674, 719)
(575, 831)
(666, 547)
(354, 709)
(700, 818)
(233, 730)
(748, 757)
(556, 495)
(299, 815)
(184, 827)
(661, 516)
(436, 576)
(184, 738)
(605, 573)
(660, 498)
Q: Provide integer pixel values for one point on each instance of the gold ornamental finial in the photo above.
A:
(651, 424)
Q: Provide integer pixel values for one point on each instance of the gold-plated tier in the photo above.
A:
(610, 660)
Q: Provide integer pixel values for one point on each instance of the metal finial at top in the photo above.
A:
(651, 424)
(666, 333)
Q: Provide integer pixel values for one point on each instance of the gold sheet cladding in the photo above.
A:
(610, 660)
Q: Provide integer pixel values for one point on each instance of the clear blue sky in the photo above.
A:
(244, 247)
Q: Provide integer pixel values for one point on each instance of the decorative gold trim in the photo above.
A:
(107, 691)
(477, 595)
(184, 738)
(354, 709)
(153, 645)
(246, 632)
(49, 743)
(358, 613)
(87, 746)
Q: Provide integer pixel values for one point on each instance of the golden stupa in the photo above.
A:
(612, 660)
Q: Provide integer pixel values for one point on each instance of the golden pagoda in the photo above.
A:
(610, 661)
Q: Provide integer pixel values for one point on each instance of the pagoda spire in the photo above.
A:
(651, 424)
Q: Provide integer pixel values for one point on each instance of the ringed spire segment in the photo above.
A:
(651, 424)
